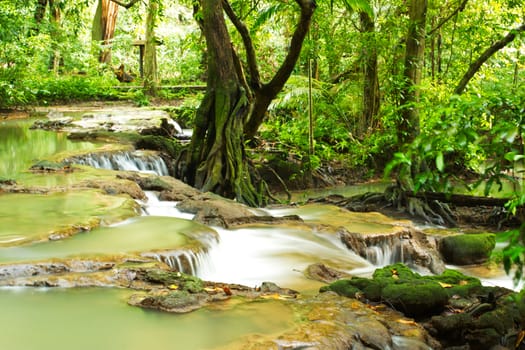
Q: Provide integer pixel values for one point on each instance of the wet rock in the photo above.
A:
(467, 249)
(57, 122)
(115, 187)
(213, 210)
(456, 309)
(323, 273)
(406, 291)
(176, 302)
(408, 245)
(48, 166)
(331, 322)
(415, 298)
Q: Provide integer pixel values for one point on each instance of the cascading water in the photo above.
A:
(133, 161)
(184, 261)
(386, 253)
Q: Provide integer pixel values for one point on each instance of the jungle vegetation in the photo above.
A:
(423, 91)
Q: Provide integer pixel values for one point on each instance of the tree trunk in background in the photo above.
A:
(103, 28)
(40, 12)
(408, 125)
(150, 51)
(371, 98)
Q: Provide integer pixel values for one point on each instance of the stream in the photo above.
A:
(87, 318)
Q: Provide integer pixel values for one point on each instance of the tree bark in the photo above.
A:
(103, 28)
(216, 157)
(233, 107)
(150, 51)
(408, 127)
(476, 65)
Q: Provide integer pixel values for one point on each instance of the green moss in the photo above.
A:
(461, 284)
(415, 298)
(184, 282)
(395, 271)
(159, 143)
(342, 287)
(467, 248)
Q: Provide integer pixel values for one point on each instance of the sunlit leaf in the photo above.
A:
(440, 163)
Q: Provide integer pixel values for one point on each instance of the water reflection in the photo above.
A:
(86, 319)
(21, 147)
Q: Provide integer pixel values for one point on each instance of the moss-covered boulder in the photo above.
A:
(175, 280)
(415, 298)
(407, 291)
(467, 249)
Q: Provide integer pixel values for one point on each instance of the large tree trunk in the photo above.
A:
(408, 127)
(233, 107)
(103, 28)
(216, 159)
(150, 51)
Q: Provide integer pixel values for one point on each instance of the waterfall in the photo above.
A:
(134, 161)
(187, 262)
(389, 251)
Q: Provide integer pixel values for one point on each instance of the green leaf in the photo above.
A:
(358, 6)
(440, 163)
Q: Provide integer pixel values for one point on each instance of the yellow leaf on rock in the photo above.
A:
(405, 321)
(173, 286)
(445, 285)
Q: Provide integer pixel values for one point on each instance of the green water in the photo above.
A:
(21, 147)
(140, 234)
(32, 217)
(87, 319)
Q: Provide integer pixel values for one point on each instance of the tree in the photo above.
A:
(150, 52)
(371, 100)
(476, 65)
(103, 28)
(408, 127)
(234, 107)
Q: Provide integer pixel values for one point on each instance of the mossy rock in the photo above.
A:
(182, 281)
(415, 298)
(396, 271)
(459, 284)
(467, 249)
(342, 287)
(46, 165)
(177, 301)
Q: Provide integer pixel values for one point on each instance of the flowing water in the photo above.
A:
(91, 318)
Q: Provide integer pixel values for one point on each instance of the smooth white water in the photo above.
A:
(132, 161)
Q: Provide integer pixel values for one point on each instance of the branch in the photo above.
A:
(460, 8)
(284, 72)
(476, 65)
(128, 5)
(255, 78)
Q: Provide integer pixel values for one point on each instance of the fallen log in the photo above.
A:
(461, 200)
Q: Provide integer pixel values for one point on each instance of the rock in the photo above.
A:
(48, 166)
(213, 210)
(467, 249)
(323, 273)
(415, 298)
(115, 187)
(176, 302)
(398, 286)
(407, 244)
